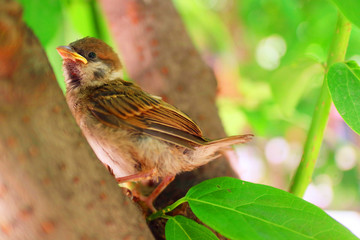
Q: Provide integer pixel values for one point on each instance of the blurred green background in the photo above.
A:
(268, 57)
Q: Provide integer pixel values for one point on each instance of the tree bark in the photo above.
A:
(51, 184)
(159, 55)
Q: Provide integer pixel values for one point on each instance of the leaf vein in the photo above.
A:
(251, 216)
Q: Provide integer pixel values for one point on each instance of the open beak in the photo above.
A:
(67, 52)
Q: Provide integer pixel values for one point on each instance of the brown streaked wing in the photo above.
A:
(151, 115)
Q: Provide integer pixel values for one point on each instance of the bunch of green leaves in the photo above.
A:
(241, 210)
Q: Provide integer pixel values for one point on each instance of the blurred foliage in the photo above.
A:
(306, 28)
(277, 50)
(268, 56)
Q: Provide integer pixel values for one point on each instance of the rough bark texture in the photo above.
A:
(159, 55)
(51, 184)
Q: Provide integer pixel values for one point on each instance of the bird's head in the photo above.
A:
(89, 62)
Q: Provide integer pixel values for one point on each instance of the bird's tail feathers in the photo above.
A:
(228, 141)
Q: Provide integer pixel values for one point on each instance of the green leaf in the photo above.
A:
(350, 8)
(180, 227)
(344, 86)
(43, 17)
(243, 210)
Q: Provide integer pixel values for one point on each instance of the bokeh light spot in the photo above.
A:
(345, 157)
(277, 150)
(269, 52)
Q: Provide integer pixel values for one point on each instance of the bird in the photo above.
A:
(137, 135)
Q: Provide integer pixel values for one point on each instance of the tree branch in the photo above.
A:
(51, 184)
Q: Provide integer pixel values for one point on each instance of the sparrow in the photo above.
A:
(138, 136)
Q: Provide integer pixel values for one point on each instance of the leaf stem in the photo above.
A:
(161, 212)
(314, 139)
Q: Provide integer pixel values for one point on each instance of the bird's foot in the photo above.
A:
(156, 192)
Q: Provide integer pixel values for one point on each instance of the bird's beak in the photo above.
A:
(67, 52)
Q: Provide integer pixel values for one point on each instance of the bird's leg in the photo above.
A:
(127, 180)
(146, 176)
(164, 183)
(137, 177)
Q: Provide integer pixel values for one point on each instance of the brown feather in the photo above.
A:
(133, 107)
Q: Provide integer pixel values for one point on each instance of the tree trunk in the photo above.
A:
(159, 55)
(51, 184)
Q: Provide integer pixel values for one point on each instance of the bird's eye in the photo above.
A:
(92, 55)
